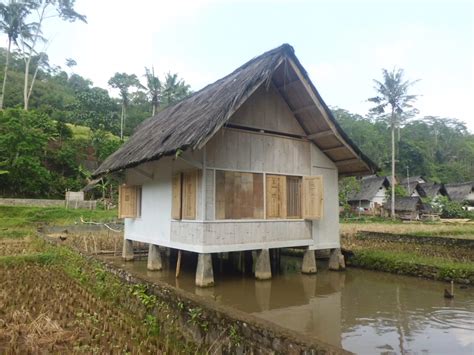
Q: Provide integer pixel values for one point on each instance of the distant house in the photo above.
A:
(372, 193)
(413, 185)
(409, 208)
(461, 192)
(432, 190)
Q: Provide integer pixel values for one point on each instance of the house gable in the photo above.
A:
(267, 110)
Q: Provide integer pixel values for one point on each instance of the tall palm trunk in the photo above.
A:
(122, 121)
(25, 85)
(393, 168)
(7, 63)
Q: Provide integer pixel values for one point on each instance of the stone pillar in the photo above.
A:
(263, 270)
(309, 262)
(336, 260)
(127, 253)
(204, 273)
(154, 258)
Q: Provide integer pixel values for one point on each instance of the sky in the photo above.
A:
(342, 44)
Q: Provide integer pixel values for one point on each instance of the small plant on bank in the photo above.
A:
(234, 336)
(196, 318)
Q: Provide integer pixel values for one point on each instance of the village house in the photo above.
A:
(250, 162)
(462, 193)
(371, 195)
(406, 208)
(432, 190)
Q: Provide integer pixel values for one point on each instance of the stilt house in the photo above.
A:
(250, 162)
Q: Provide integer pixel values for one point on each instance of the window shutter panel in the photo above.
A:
(176, 190)
(312, 197)
(128, 201)
(276, 196)
(189, 195)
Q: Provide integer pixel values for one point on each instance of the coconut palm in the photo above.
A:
(153, 85)
(12, 22)
(174, 89)
(395, 104)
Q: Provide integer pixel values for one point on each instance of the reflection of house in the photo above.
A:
(372, 193)
(461, 192)
(250, 162)
(406, 207)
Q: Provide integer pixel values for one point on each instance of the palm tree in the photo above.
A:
(174, 89)
(153, 85)
(393, 97)
(12, 23)
(123, 82)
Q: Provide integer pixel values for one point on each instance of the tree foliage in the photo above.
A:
(440, 149)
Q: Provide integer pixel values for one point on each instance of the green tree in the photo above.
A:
(12, 23)
(393, 98)
(23, 141)
(123, 82)
(95, 109)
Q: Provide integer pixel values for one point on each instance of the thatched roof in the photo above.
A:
(190, 123)
(459, 192)
(431, 189)
(405, 204)
(369, 186)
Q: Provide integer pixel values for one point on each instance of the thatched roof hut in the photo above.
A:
(431, 190)
(369, 187)
(461, 192)
(192, 122)
(405, 204)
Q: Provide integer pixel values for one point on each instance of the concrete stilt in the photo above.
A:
(263, 270)
(204, 273)
(127, 252)
(154, 258)
(309, 262)
(336, 260)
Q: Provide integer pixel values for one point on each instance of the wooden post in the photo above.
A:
(178, 264)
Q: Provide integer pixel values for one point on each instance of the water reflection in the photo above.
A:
(362, 311)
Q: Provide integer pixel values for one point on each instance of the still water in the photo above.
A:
(365, 312)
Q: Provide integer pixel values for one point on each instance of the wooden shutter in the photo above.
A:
(176, 189)
(239, 195)
(276, 196)
(128, 201)
(312, 197)
(189, 195)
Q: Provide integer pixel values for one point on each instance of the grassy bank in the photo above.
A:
(19, 221)
(411, 257)
(416, 229)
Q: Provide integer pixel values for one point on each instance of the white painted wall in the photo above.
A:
(154, 224)
(380, 197)
(326, 230)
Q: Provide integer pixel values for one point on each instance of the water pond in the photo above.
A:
(362, 311)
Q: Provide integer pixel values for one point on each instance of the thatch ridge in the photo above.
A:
(189, 123)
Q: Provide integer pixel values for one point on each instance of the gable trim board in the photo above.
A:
(192, 122)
